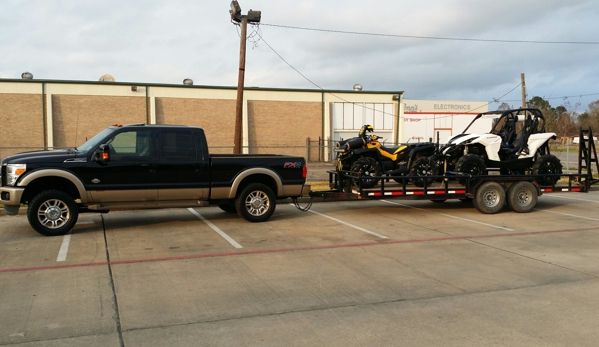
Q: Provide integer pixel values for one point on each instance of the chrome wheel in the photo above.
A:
(53, 214)
(257, 203)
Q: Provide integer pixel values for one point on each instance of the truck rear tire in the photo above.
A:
(489, 198)
(522, 197)
(256, 202)
(52, 213)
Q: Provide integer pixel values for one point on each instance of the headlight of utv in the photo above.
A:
(13, 171)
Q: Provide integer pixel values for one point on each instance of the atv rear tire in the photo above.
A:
(367, 168)
(421, 170)
(470, 164)
(547, 164)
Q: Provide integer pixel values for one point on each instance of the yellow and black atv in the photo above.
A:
(366, 155)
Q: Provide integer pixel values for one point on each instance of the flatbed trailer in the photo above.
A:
(488, 193)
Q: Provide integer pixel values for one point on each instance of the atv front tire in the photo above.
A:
(367, 168)
(470, 164)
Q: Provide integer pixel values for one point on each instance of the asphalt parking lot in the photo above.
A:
(362, 273)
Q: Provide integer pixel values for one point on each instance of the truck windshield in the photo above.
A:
(94, 141)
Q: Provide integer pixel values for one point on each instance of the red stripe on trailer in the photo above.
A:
(576, 189)
(547, 190)
(418, 192)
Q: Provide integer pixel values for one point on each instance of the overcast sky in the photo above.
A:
(167, 41)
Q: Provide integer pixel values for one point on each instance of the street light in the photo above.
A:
(237, 17)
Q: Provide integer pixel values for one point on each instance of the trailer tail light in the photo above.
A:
(305, 171)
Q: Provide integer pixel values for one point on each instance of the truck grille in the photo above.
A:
(3, 176)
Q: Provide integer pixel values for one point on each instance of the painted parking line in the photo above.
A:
(450, 216)
(64, 248)
(215, 228)
(348, 224)
(567, 214)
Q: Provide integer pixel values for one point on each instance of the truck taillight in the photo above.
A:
(305, 171)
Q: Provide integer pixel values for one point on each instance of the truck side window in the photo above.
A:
(177, 144)
(130, 145)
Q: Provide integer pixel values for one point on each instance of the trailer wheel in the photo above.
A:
(52, 213)
(547, 164)
(490, 198)
(421, 170)
(470, 164)
(367, 167)
(256, 202)
(522, 197)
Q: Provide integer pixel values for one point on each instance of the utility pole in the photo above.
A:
(241, 20)
(240, 83)
(523, 90)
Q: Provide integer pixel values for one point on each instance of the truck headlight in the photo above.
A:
(13, 171)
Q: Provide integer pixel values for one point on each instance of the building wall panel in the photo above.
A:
(216, 117)
(77, 117)
(283, 127)
(21, 123)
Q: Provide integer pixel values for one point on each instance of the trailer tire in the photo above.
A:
(489, 198)
(470, 164)
(547, 164)
(256, 202)
(52, 213)
(522, 197)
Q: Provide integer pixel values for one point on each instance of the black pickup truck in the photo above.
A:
(142, 166)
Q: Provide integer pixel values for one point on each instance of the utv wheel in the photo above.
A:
(367, 167)
(470, 164)
(489, 198)
(256, 202)
(547, 164)
(522, 197)
(228, 207)
(422, 169)
(52, 213)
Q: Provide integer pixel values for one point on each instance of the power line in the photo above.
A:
(342, 99)
(433, 37)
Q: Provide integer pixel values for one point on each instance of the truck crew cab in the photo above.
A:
(142, 166)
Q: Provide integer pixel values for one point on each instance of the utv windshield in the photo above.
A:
(94, 141)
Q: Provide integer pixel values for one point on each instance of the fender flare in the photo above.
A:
(55, 173)
(255, 171)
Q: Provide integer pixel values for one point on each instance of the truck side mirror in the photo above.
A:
(102, 154)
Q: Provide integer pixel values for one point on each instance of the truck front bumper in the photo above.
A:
(10, 197)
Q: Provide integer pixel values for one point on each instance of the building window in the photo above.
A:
(351, 116)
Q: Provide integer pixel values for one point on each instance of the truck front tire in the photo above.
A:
(52, 213)
(256, 202)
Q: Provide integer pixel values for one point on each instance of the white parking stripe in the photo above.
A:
(565, 197)
(349, 225)
(450, 216)
(567, 214)
(215, 228)
(64, 248)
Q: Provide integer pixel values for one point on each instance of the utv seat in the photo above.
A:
(519, 144)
